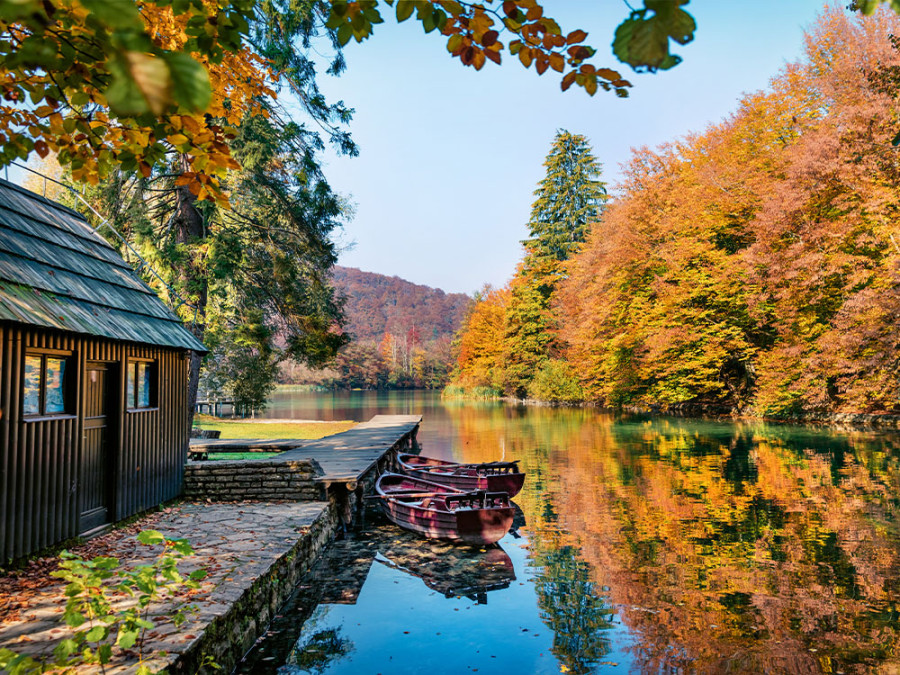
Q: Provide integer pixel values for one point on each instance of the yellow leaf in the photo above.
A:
(151, 75)
(525, 56)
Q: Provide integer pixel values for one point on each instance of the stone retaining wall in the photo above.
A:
(232, 481)
(232, 634)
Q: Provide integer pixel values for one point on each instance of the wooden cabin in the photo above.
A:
(93, 381)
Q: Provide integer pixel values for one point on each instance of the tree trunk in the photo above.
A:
(187, 222)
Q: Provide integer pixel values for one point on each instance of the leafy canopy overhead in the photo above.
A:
(109, 84)
(124, 83)
(120, 84)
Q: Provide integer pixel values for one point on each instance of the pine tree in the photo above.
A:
(569, 199)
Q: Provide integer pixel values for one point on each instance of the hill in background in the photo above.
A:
(401, 334)
(378, 304)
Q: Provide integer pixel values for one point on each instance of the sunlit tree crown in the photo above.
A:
(569, 199)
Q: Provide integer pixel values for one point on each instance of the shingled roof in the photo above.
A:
(56, 272)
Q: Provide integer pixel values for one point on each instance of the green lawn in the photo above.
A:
(242, 455)
(249, 429)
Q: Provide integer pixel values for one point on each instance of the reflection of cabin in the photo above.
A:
(93, 380)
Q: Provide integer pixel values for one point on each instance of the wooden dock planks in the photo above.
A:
(344, 457)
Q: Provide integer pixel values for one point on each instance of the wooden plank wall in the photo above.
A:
(39, 460)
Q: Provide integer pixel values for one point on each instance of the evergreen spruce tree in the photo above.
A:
(569, 199)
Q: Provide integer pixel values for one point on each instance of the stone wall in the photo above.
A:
(232, 634)
(254, 479)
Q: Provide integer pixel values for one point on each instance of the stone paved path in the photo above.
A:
(236, 543)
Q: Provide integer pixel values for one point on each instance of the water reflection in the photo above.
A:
(310, 634)
(667, 545)
(724, 547)
(450, 569)
(317, 650)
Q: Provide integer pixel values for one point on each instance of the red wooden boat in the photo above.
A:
(443, 512)
(490, 476)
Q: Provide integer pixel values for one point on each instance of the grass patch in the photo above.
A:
(259, 429)
(242, 455)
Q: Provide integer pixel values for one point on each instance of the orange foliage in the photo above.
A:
(755, 265)
(481, 340)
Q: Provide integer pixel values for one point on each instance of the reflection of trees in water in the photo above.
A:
(570, 606)
(568, 598)
(316, 651)
(735, 547)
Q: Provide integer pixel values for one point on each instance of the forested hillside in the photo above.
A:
(400, 334)
(753, 266)
(377, 304)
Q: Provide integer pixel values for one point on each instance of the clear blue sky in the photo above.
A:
(449, 157)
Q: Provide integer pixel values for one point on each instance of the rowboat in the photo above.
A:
(443, 512)
(490, 476)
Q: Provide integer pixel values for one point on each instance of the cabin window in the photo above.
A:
(46, 389)
(141, 384)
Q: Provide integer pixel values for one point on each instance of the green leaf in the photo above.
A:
(373, 15)
(80, 98)
(681, 26)
(35, 51)
(182, 546)
(126, 638)
(73, 618)
(335, 20)
(440, 19)
(670, 61)
(114, 13)
(106, 562)
(96, 634)
(404, 9)
(65, 648)
(344, 33)
(192, 90)
(641, 43)
(428, 22)
(123, 95)
(149, 537)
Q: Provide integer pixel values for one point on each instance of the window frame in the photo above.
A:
(69, 403)
(131, 390)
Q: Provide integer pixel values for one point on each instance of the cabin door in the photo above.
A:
(96, 464)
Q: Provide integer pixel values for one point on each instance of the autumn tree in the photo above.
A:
(479, 344)
(754, 266)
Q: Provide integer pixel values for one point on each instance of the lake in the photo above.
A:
(645, 544)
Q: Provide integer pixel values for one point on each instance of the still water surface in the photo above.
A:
(645, 545)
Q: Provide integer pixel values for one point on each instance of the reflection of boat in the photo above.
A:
(450, 570)
(444, 512)
(491, 476)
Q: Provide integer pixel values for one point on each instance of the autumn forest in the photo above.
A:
(752, 266)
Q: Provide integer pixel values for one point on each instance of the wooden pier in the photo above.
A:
(330, 467)
(213, 406)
